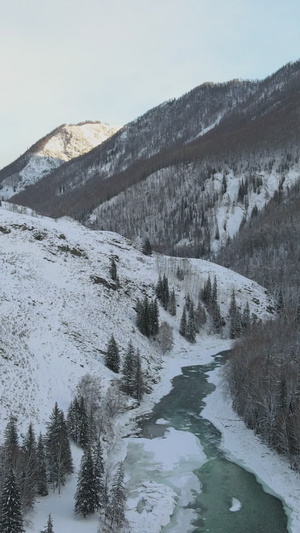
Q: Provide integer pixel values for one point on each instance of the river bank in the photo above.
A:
(244, 448)
(239, 444)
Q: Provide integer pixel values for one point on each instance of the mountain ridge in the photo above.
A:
(64, 143)
(247, 130)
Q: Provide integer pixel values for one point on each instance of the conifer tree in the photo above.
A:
(58, 449)
(146, 248)
(159, 288)
(214, 294)
(153, 318)
(206, 293)
(200, 316)
(235, 318)
(217, 318)
(147, 317)
(84, 430)
(117, 499)
(97, 457)
(139, 379)
(128, 381)
(183, 323)
(112, 357)
(11, 448)
(41, 469)
(279, 303)
(29, 469)
(78, 422)
(188, 302)
(86, 497)
(162, 291)
(49, 527)
(73, 420)
(190, 331)
(172, 303)
(113, 269)
(165, 292)
(11, 518)
(246, 319)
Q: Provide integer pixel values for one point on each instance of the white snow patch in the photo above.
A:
(236, 505)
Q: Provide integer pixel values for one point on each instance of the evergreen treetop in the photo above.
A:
(11, 518)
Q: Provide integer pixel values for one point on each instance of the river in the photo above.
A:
(178, 453)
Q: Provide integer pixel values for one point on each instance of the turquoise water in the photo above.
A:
(220, 479)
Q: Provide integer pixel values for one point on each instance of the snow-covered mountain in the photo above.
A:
(63, 144)
(189, 172)
(59, 307)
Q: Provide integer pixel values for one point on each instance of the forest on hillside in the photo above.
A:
(263, 372)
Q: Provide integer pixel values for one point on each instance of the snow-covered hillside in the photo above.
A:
(161, 206)
(59, 307)
(67, 142)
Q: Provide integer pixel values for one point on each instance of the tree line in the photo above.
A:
(33, 467)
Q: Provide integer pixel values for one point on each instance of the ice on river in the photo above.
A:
(236, 505)
(165, 464)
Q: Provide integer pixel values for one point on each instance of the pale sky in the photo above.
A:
(66, 61)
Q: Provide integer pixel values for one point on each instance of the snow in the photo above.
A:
(244, 448)
(55, 325)
(236, 505)
(66, 143)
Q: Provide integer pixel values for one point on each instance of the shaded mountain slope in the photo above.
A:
(195, 154)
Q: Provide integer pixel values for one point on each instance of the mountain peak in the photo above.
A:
(64, 143)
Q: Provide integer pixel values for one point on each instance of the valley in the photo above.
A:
(131, 257)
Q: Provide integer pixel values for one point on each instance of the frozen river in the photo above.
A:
(179, 478)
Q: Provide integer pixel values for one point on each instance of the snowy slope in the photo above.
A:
(170, 204)
(66, 142)
(56, 321)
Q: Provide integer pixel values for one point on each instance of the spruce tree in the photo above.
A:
(73, 420)
(200, 316)
(145, 318)
(183, 323)
(153, 318)
(165, 292)
(128, 378)
(117, 499)
(206, 293)
(162, 291)
(78, 422)
(146, 248)
(84, 431)
(214, 294)
(139, 379)
(41, 469)
(217, 318)
(190, 331)
(112, 357)
(97, 457)
(235, 318)
(49, 527)
(58, 449)
(113, 269)
(29, 469)
(172, 303)
(11, 518)
(11, 448)
(86, 497)
(279, 303)
(246, 319)
(159, 288)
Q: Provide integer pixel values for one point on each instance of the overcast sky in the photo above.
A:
(66, 61)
